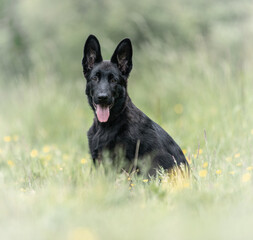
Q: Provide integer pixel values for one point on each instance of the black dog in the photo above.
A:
(118, 122)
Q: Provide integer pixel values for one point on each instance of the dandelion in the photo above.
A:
(203, 173)
(34, 153)
(239, 164)
(228, 159)
(83, 161)
(184, 151)
(237, 155)
(218, 172)
(145, 180)
(7, 138)
(205, 165)
(200, 151)
(232, 173)
(46, 149)
(250, 168)
(10, 163)
(128, 179)
(246, 177)
(132, 185)
(178, 108)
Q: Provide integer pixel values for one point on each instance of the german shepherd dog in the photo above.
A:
(118, 122)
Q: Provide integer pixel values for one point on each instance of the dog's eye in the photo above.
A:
(112, 79)
(95, 78)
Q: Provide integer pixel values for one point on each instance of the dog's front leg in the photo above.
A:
(96, 157)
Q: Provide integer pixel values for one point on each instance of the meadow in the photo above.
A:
(193, 57)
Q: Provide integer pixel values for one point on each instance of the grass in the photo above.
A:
(192, 74)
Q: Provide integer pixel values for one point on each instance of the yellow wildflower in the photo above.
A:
(246, 177)
(237, 155)
(203, 173)
(10, 163)
(184, 151)
(232, 172)
(83, 161)
(132, 185)
(239, 164)
(129, 179)
(200, 151)
(218, 172)
(228, 159)
(145, 180)
(46, 149)
(195, 155)
(250, 168)
(34, 153)
(205, 165)
(7, 138)
(178, 108)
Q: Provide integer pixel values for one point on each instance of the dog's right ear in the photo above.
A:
(91, 54)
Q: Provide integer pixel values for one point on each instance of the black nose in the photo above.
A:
(102, 97)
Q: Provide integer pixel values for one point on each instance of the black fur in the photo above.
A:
(107, 86)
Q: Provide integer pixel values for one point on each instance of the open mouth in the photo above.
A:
(102, 111)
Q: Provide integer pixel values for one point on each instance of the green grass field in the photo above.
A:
(198, 89)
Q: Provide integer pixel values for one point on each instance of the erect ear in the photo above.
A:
(122, 56)
(91, 54)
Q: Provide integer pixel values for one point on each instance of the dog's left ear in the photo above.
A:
(91, 54)
(122, 56)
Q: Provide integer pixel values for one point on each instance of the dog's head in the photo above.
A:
(106, 80)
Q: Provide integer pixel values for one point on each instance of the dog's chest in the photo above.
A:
(115, 140)
(105, 138)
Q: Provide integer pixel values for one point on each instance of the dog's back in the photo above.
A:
(118, 122)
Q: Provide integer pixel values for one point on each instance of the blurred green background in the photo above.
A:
(185, 52)
(192, 74)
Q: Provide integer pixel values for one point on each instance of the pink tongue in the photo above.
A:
(103, 113)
